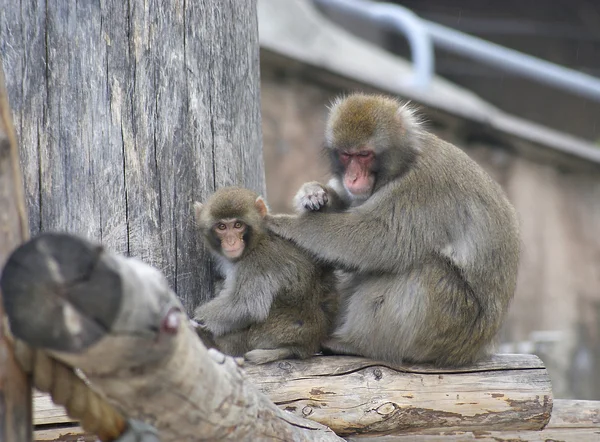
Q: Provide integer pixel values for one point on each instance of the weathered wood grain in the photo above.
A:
(354, 395)
(575, 414)
(571, 421)
(547, 435)
(357, 396)
(45, 412)
(15, 391)
(63, 434)
(130, 111)
(117, 320)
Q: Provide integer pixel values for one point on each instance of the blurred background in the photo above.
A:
(525, 107)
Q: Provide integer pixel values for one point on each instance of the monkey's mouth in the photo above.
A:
(360, 187)
(234, 252)
(360, 194)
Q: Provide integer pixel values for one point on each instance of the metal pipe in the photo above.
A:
(398, 19)
(468, 46)
(514, 61)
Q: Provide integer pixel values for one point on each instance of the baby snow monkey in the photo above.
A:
(272, 303)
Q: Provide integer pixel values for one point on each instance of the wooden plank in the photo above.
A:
(496, 362)
(355, 395)
(75, 434)
(568, 413)
(15, 391)
(571, 421)
(45, 412)
(129, 119)
(551, 435)
(63, 434)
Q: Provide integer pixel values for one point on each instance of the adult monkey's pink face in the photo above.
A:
(358, 177)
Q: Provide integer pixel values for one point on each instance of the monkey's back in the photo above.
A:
(305, 278)
(484, 231)
(303, 308)
(458, 251)
(467, 214)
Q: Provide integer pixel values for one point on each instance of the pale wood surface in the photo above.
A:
(116, 319)
(354, 395)
(575, 414)
(580, 429)
(45, 412)
(128, 112)
(15, 391)
(548, 435)
(571, 421)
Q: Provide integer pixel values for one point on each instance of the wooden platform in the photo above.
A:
(572, 421)
(507, 398)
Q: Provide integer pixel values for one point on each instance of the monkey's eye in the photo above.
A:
(237, 225)
(364, 154)
(221, 226)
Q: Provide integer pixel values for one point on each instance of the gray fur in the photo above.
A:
(430, 258)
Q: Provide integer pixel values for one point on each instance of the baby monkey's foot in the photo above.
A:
(263, 356)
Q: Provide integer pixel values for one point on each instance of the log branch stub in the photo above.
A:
(60, 284)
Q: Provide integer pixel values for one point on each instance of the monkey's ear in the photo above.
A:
(197, 209)
(261, 206)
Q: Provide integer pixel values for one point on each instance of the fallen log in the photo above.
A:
(354, 395)
(571, 421)
(117, 320)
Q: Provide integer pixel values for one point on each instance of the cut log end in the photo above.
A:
(60, 292)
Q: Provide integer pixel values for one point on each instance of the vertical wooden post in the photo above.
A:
(129, 111)
(15, 391)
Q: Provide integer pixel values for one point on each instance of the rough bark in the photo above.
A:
(355, 395)
(116, 319)
(15, 391)
(129, 111)
(572, 421)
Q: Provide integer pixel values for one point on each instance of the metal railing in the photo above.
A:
(422, 35)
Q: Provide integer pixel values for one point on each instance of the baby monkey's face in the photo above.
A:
(230, 233)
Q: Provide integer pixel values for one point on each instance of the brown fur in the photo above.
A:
(274, 301)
